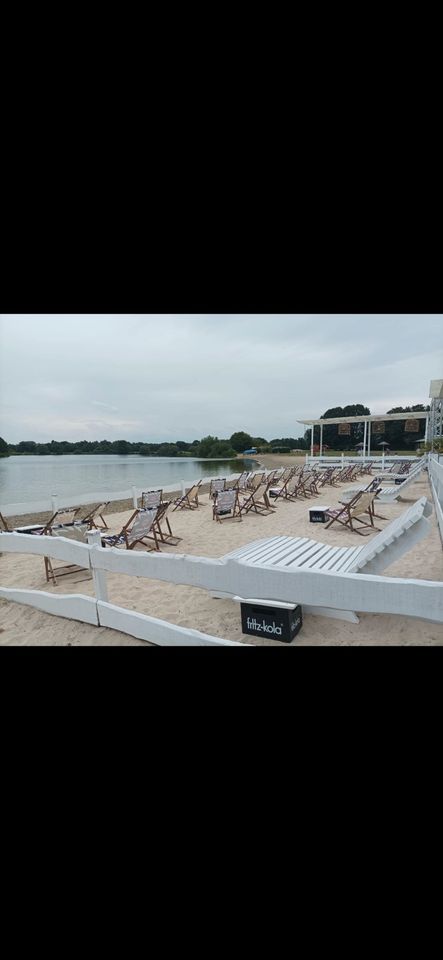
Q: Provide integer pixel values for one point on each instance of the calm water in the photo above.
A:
(34, 479)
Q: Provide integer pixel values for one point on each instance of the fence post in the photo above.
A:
(98, 576)
(134, 498)
(54, 502)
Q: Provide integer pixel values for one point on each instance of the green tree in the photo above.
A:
(4, 452)
(241, 441)
(121, 447)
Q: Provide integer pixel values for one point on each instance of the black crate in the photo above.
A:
(318, 515)
(275, 623)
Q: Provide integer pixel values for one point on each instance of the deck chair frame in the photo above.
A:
(351, 512)
(136, 530)
(189, 500)
(226, 500)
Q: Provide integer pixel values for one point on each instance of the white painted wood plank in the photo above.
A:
(73, 606)
(156, 631)
(59, 548)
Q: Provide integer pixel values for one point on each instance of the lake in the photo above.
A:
(32, 480)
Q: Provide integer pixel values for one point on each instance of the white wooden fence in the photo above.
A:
(361, 592)
(80, 499)
(435, 468)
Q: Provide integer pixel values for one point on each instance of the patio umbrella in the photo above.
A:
(383, 443)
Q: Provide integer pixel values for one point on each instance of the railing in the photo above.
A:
(435, 468)
(131, 493)
(346, 460)
(363, 592)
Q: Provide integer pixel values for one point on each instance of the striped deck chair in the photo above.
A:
(226, 506)
(216, 485)
(136, 530)
(349, 513)
(257, 500)
(151, 499)
(90, 515)
(189, 499)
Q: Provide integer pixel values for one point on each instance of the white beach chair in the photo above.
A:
(301, 553)
(386, 494)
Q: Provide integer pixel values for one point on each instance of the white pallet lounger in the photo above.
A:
(387, 494)
(373, 557)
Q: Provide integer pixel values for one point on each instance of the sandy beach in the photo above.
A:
(195, 608)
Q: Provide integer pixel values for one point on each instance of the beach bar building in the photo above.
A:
(366, 421)
(433, 421)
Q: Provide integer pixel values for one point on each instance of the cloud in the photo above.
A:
(168, 377)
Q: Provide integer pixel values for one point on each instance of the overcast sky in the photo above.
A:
(152, 378)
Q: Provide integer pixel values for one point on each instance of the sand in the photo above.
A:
(195, 608)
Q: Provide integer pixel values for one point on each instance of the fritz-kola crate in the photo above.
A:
(318, 514)
(274, 623)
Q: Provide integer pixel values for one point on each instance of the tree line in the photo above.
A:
(211, 447)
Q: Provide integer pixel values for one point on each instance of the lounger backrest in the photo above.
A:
(395, 540)
(62, 516)
(141, 525)
(218, 484)
(226, 500)
(362, 504)
(151, 498)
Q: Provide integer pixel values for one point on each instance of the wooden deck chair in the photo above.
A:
(257, 500)
(215, 486)
(151, 499)
(61, 524)
(241, 482)
(136, 530)
(161, 516)
(90, 515)
(189, 499)
(255, 479)
(63, 517)
(4, 524)
(226, 506)
(295, 554)
(279, 491)
(352, 512)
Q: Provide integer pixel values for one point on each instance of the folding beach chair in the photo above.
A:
(255, 479)
(257, 500)
(361, 504)
(63, 517)
(90, 515)
(241, 482)
(151, 499)
(226, 506)
(190, 498)
(62, 524)
(161, 534)
(137, 529)
(4, 524)
(217, 485)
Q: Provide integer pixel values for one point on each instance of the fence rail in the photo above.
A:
(342, 592)
(435, 469)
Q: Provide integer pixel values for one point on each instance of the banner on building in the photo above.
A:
(411, 426)
(378, 426)
(344, 429)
